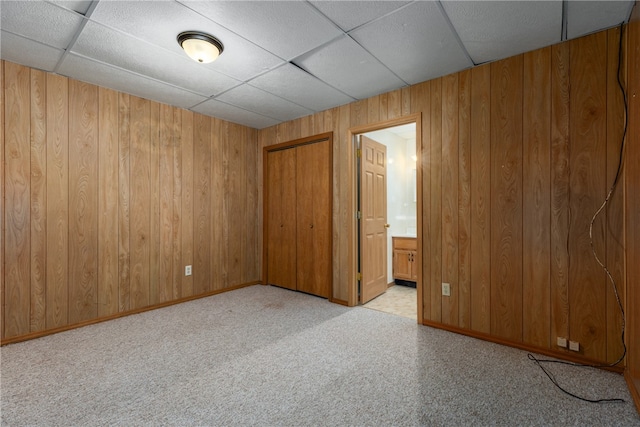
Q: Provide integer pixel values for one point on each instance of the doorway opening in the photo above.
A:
(388, 200)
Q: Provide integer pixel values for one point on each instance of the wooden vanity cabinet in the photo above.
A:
(405, 260)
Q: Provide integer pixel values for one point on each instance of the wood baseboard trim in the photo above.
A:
(44, 333)
(339, 301)
(539, 350)
(634, 388)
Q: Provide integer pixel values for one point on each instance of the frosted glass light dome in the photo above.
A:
(200, 47)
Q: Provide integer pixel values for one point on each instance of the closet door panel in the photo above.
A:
(281, 219)
(314, 218)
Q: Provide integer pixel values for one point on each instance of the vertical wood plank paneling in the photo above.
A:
(394, 106)
(165, 285)
(318, 124)
(227, 215)
(506, 198)
(124, 203)
(632, 214)
(17, 192)
(187, 200)
(405, 102)
(560, 193)
(251, 260)
(615, 209)
(435, 196)
(140, 191)
(331, 122)
(265, 137)
(176, 218)
(100, 213)
(344, 207)
(218, 223)
(464, 199)
(237, 205)
(83, 201)
(2, 204)
(481, 199)
(384, 106)
(449, 169)
(536, 140)
(421, 103)
(359, 112)
(38, 200)
(202, 203)
(157, 288)
(587, 184)
(306, 125)
(373, 109)
(57, 201)
(108, 202)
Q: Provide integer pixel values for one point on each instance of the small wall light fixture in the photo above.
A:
(200, 47)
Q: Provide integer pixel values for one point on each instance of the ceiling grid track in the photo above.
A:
(73, 41)
(455, 33)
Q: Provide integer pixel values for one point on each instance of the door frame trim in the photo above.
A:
(352, 134)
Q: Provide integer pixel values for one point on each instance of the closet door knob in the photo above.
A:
(311, 226)
(387, 225)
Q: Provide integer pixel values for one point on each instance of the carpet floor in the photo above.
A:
(270, 357)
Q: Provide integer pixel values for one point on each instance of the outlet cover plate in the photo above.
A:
(446, 289)
(187, 270)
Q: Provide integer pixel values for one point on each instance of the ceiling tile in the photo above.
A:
(296, 85)
(43, 22)
(284, 28)
(585, 17)
(234, 114)
(261, 102)
(90, 71)
(27, 52)
(346, 66)
(351, 14)
(160, 22)
(416, 43)
(80, 6)
(492, 30)
(109, 46)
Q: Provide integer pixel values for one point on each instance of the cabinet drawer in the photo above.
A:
(408, 243)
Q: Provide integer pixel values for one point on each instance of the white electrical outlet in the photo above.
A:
(446, 289)
(562, 342)
(574, 346)
(187, 270)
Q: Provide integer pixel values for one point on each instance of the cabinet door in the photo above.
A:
(414, 267)
(402, 264)
(281, 218)
(313, 165)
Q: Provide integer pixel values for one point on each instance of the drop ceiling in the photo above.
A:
(283, 59)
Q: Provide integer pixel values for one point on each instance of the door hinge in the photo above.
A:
(358, 215)
(359, 152)
(359, 276)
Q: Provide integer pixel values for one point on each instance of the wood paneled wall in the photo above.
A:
(632, 175)
(517, 156)
(109, 196)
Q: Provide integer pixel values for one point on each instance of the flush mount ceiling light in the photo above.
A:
(200, 47)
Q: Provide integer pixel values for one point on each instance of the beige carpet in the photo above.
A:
(399, 300)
